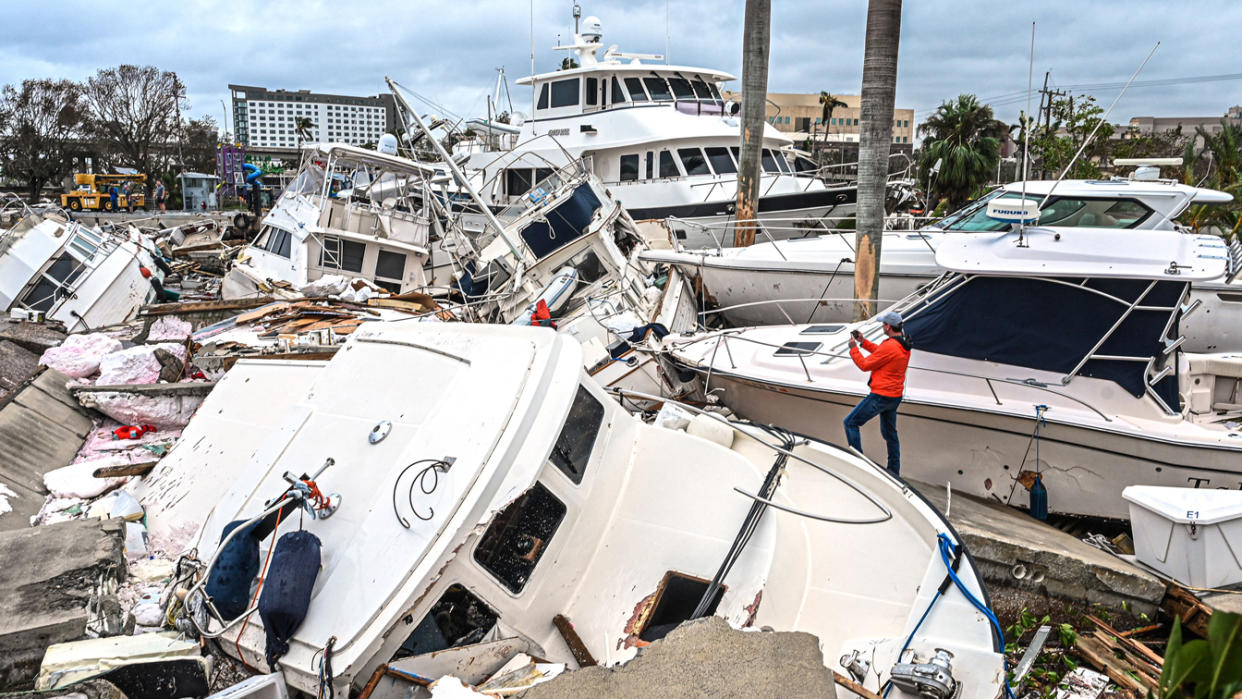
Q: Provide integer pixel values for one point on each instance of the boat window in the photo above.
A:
(668, 166)
(53, 284)
(650, 165)
(769, 161)
(676, 599)
(681, 88)
(629, 168)
(701, 90)
(720, 160)
(590, 269)
(84, 246)
(341, 254)
(781, 161)
(518, 537)
(564, 93)
(790, 349)
(592, 91)
(543, 97)
(390, 264)
(1127, 213)
(658, 89)
(279, 243)
(737, 156)
(458, 618)
(1090, 213)
(517, 181)
(573, 447)
(716, 92)
(822, 329)
(618, 96)
(1059, 212)
(635, 86)
(541, 174)
(694, 162)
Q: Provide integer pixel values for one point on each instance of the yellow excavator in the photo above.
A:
(93, 193)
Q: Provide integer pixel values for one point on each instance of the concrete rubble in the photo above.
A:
(63, 585)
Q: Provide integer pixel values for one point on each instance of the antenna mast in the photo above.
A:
(1026, 131)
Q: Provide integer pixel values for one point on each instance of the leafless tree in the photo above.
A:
(37, 125)
(134, 113)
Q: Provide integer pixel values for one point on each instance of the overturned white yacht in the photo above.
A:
(351, 212)
(84, 277)
(811, 280)
(1053, 355)
(480, 496)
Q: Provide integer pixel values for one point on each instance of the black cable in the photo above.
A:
(421, 479)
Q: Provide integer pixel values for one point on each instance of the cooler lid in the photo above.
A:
(1202, 505)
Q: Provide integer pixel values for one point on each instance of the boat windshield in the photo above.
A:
(309, 180)
(1059, 211)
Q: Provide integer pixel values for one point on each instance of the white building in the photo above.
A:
(269, 118)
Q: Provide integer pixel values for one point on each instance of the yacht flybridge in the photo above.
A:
(453, 532)
(82, 276)
(351, 212)
(1054, 353)
(812, 280)
(663, 140)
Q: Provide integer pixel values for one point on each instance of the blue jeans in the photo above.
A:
(868, 408)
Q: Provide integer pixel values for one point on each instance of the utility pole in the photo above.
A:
(180, 138)
(756, 45)
(879, 92)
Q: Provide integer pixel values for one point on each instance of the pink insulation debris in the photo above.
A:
(79, 355)
(165, 412)
(136, 364)
(170, 328)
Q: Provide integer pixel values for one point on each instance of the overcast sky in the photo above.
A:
(449, 51)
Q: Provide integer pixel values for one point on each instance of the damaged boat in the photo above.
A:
(85, 277)
(811, 280)
(423, 526)
(1051, 355)
(349, 212)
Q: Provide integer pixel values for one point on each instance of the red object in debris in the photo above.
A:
(146, 273)
(132, 431)
(542, 317)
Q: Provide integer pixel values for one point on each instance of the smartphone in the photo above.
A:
(856, 335)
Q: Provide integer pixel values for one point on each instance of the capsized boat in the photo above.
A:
(1053, 355)
(481, 486)
(811, 280)
(350, 212)
(54, 268)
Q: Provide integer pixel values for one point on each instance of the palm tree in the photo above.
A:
(828, 103)
(756, 45)
(1219, 162)
(879, 92)
(962, 147)
(302, 126)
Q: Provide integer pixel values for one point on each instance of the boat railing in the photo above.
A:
(779, 307)
(886, 515)
(723, 338)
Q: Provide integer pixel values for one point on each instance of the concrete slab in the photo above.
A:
(1012, 549)
(706, 658)
(16, 364)
(45, 599)
(41, 429)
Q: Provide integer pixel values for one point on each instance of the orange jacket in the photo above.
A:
(887, 364)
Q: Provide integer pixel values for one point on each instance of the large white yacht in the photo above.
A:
(351, 212)
(662, 139)
(812, 280)
(489, 499)
(82, 276)
(1055, 353)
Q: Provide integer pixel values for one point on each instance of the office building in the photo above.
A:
(268, 119)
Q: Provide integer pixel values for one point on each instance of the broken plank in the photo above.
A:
(140, 468)
(853, 686)
(1136, 646)
(1101, 658)
(188, 388)
(165, 309)
(576, 646)
(1193, 613)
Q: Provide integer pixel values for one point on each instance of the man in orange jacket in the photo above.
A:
(887, 364)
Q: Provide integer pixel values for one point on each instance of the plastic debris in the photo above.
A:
(673, 417)
(131, 431)
(135, 539)
(79, 355)
(78, 480)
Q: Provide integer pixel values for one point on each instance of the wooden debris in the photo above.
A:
(853, 686)
(1126, 661)
(1191, 610)
(141, 468)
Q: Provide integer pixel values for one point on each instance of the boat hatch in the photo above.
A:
(458, 618)
(518, 537)
(822, 329)
(790, 349)
(675, 600)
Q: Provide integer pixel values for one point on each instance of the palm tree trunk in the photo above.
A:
(755, 47)
(879, 92)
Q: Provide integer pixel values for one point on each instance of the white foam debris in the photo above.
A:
(170, 328)
(78, 480)
(78, 356)
(164, 412)
(5, 494)
(136, 365)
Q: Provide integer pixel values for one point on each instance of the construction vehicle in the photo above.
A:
(93, 192)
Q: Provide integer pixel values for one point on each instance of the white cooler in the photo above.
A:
(1193, 535)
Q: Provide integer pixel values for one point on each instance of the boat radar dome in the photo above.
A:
(592, 29)
(387, 144)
